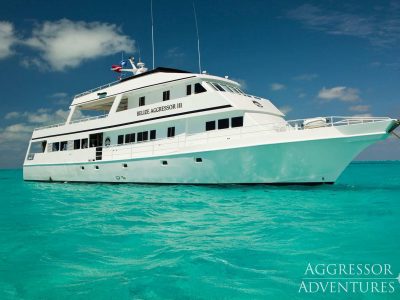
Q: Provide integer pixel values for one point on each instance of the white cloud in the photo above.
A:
(7, 39)
(359, 108)
(242, 82)
(379, 28)
(341, 93)
(277, 86)
(285, 109)
(362, 115)
(306, 77)
(66, 44)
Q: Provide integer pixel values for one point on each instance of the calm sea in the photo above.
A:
(104, 241)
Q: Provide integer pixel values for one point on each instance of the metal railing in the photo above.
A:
(88, 119)
(164, 146)
(97, 89)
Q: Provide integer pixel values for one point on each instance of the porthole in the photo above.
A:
(125, 165)
(82, 168)
(198, 159)
(164, 162)
(96, 167)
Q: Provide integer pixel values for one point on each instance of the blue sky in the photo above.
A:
(311, 58)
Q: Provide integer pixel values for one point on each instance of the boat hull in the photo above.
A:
(299, 162)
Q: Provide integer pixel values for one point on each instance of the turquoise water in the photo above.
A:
(103, 241)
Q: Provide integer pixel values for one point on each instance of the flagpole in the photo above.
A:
(152, 29)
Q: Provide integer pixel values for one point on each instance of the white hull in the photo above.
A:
(313, 161)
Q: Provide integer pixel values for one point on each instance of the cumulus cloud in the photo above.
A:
(340, 93)
(66, 44)
(359, 108)
(7, 39)
(379, 28)
(277, 86)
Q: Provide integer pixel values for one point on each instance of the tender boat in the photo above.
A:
(172, 126)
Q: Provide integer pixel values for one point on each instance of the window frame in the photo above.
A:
(235, 119)
(223, 120)
(213, 127)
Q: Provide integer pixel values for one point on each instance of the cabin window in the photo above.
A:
(152, 134)
(77, 144)
(64, 146)
(120, 139)
(223, 123)
(129, 138)
(96, 167)
(210, 125)
(125, 165)
(198, 159)
(37, 147)
(237, 122)
(213, 86)
(56, 146)
(84, 143)
(198, 88)
(142, 101)
(145, 135)
(140, 137)
(219, 87)
(166, 95)
(164, 162)
(188, 89)
(96, 140)
(123, 105)
(171, 132)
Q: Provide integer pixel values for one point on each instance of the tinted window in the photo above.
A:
(198, 88)
(77, 144)
(237, 122)
(84, 143)
(188, 89)
(120, 139)
(219, 87)
(213, 86)
(142, 101)
(152, 134)
(129, 138)
(210, 125)
(145, 135)
(140, 136)
(56, 146)
(171, 131)
(64, 146)
(223, 123)
(165, 95)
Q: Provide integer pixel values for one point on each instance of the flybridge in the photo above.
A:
(157, 70)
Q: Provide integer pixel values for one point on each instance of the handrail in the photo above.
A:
(97, 89)
(173, 144)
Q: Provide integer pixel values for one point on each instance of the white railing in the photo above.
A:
(174, 145)
(97, 89)
(88, 119)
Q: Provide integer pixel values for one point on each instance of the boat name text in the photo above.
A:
(159, 108)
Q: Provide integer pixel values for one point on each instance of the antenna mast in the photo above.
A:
(152, 29)
(198, 38)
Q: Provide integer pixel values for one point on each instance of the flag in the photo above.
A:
(116, 68)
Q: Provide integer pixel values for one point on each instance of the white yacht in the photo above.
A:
(173, 126)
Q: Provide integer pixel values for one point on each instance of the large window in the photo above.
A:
(198, 88)
(96, 140)
(145, 135)
(237, 122)
(129, 138)
(188, 89)
(64, 146)
(140, 137)
(142, 101)
(210, 125)
(166, 95)
(120, 139)
(223, 123)
(171, 132)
